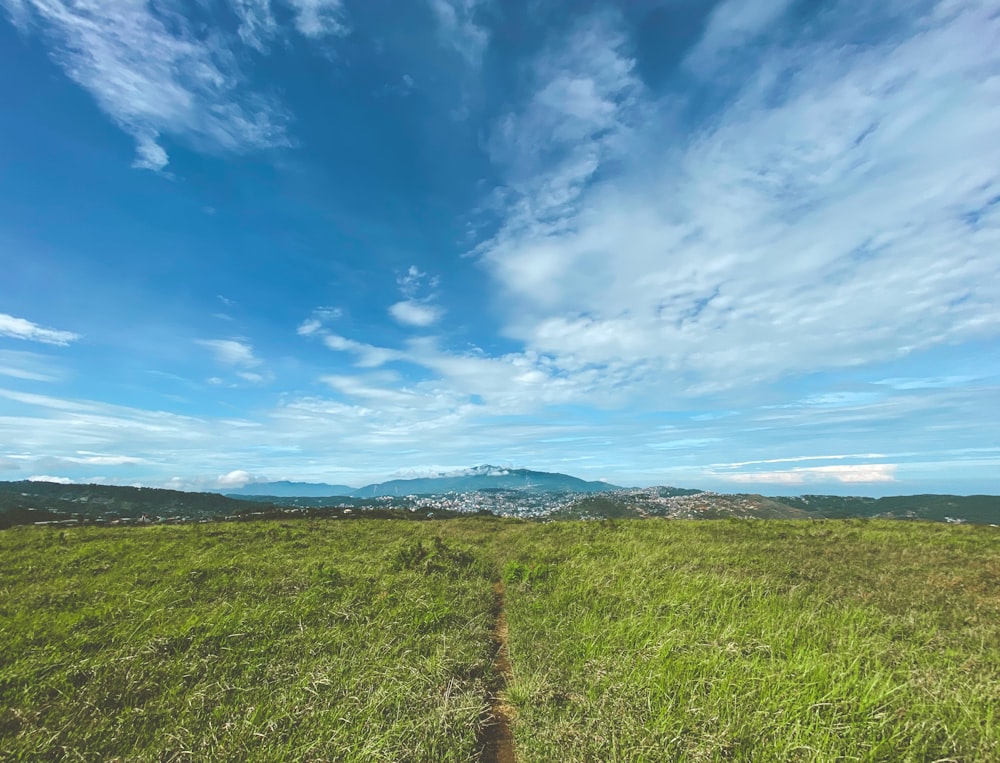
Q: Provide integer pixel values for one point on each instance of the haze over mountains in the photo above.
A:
(484, 477)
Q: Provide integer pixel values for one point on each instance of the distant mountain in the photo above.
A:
(286, 489)
(484, 477)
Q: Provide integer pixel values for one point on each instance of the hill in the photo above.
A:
(676, 503)
(25, 502)
(485, 477)
(979, 509)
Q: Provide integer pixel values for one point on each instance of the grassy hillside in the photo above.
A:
(18, 501)
(629, 641)
(756, 641)
(981, 509)
(242, 642)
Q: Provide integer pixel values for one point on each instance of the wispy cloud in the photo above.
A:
(819, 218)
(413, 313)
(320, 317)
(257, 24)
(29, 366)
(155, 75)
(316, 326)
(843, 473)
(414, 281)
(235, 479)
(418, 308)
(50, 478)
(231, 352)
(732, 25)
(21, 328)
(460, 29)
(239, 356)
(101, 459)
(794, 459)
(319, 18)
(369, 356)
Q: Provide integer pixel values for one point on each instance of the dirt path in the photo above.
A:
(496, 740)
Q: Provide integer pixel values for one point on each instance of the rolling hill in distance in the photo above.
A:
(484, 489)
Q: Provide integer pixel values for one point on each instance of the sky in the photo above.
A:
(742, 245)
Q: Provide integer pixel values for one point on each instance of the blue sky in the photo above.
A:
(744, 245)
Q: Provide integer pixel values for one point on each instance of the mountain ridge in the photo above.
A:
(483, 477)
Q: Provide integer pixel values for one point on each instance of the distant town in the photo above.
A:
(42, 503)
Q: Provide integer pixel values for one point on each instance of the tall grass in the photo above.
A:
(757, 641)
(241, 642)
(371, 641)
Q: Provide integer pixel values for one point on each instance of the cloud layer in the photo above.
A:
(840, 208)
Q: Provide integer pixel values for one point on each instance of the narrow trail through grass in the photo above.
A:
(382, 641)
(496, 737)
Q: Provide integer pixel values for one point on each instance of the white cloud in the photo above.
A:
(840, 210)
(252, 376)
(319, 18)
(238, 355)
(577, 116)
(413, 313)
(413, 281)
(149, 155)
(375, 390)
(731, 25)
(235, 479)
(155, 75)
(308, 327)
(319, 318)
(23, 373)
(29, 366)
(416, 310)
(793, 459)
(510, 384)
(369, 356)
(231, 352)
(257, 24)
(459, 29)
(19, 13)
(49, 478)
(101, 459)
(842, 473)
(20, 328)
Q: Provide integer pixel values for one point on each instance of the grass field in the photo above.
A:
(631, 641)
(312, 641)
(751, 641)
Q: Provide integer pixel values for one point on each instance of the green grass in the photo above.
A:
(757, 641)
(315, 641)
(630, 641)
